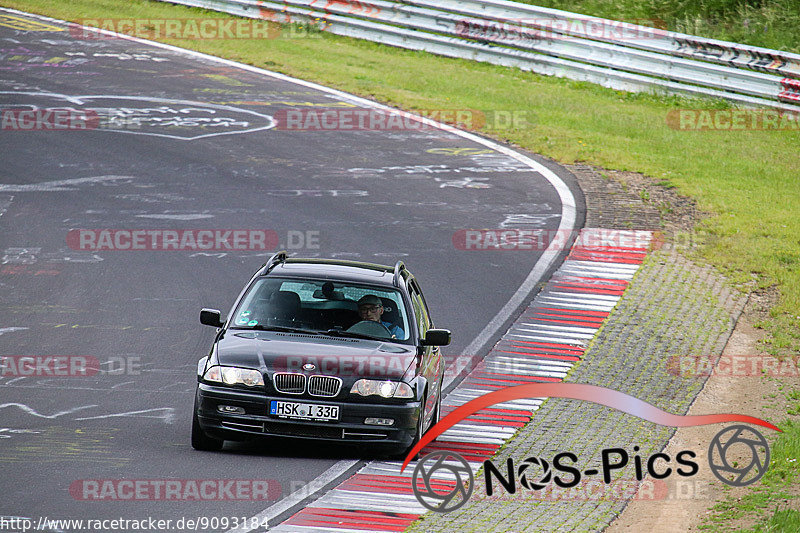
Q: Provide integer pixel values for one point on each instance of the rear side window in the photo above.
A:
(421, 312)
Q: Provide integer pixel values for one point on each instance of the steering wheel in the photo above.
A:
(371, 328)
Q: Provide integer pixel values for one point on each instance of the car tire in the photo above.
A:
(201, 440)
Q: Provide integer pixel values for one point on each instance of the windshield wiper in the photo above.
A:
(281, 329)
(342, 333)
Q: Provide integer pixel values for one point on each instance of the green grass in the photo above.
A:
(749, 180)
(768, 23)
(783, 521)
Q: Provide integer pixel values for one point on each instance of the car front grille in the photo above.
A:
(324, 385)
(289, 383)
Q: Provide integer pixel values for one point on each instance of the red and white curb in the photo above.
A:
(542, 345)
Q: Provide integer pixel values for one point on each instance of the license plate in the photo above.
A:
(307, 411)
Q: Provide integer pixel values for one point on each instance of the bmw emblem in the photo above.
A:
(309, 367)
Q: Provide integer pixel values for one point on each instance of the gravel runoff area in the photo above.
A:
(674, 307)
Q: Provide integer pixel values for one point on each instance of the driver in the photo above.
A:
(370, 307)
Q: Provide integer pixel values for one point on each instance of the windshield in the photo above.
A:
(326, 307)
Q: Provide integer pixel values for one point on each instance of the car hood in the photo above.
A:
(290, 352)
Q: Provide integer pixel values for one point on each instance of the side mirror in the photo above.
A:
(437, 337)
(211, 317)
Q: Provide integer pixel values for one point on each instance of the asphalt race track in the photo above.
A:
(191, 144)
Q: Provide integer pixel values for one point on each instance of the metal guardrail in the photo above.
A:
(618, 55)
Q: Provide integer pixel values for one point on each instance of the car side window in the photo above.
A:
(420, 312)
(424, 306)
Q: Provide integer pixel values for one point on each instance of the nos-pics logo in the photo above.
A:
(443, 481)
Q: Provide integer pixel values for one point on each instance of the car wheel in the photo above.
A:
(202, 441)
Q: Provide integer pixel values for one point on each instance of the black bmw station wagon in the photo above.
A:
(322, 349)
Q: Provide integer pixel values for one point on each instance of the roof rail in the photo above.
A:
(272, 262)
(398, 268)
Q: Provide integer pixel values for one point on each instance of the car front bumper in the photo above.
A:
(257, 422)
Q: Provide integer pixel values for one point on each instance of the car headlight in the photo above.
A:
(385, 389)
(232, 375)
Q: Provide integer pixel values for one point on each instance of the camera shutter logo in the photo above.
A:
(442, 481)
(738, 455)
(525, 473)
